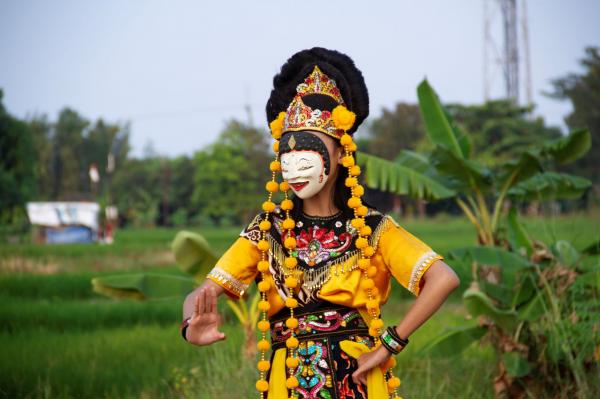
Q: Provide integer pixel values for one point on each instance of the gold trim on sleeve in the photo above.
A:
(227, 281)
(419, 268)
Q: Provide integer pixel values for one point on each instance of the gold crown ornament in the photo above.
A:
(300, 116)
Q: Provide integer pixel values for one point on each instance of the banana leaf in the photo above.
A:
(453, 341)
(550, 185)
(193, 254)
(515, 171)
(462, 173)
(415, 161)
(524, 290)
(388, 176)
(517, 236)
(143, 286)
(570, 148)
(516, 365)
(508, 262)
(478, 303)
(534, 309)
(438, 127)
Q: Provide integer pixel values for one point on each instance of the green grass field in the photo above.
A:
(58, 339)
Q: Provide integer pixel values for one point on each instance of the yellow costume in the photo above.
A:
(321, 279)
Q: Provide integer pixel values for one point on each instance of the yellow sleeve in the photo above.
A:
(406, 256)
(236, 269)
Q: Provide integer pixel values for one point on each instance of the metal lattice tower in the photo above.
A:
(505, 59)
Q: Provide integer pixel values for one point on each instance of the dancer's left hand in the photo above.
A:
(368, 361)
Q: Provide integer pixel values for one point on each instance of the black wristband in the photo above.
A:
(183, 327)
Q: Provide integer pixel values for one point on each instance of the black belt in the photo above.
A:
(317, 323)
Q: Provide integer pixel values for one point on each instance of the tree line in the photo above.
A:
(41, 159)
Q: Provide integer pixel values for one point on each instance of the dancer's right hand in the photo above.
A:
(203, 327)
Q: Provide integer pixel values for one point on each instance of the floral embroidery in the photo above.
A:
(319, 245)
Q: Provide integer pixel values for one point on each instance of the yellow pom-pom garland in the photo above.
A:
(362, 242)
(343, 119)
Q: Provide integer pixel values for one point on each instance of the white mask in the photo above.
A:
(304, 170)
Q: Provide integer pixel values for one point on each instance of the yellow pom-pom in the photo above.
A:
(291, 302)
(361, 242)
(343, 118)
(372, 271)
(365, 231)
(264, 286)
(372, 304)
(276, 126)
(291, 382)
(268, 206)
(287, 205)
(346, 139)
(263, 245)
(275, 166)
(375, 291)
(376, 323)
(263, 345)
(288, 224)
(352, 147)
(291, 262)
(354, 171)
(291, 342)
(262, 386)
(276, 146)
(359, 191)
(284, 186)
(367, 283)
(290, 243)
(272, 186)
(263, 365)
(264, 306)
(369, 251)
(292, 322)
(291, 282)
(263, 266)
(364, 263)
(362, 211)
(373, 332)
(354, 202)
(263, 325)
(265, 225)
(292, 362)
(351, 182)
(390, 363)
(357, 223)
(348, 161)
(394, 382)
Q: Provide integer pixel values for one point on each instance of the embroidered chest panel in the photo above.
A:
(325, 247)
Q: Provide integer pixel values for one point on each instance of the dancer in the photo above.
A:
(323, 259)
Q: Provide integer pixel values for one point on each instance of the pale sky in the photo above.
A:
(178, 70)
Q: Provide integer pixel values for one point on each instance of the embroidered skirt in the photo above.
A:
(325, 370)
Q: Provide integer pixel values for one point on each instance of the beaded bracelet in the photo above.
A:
(392, 341)
(183, 326)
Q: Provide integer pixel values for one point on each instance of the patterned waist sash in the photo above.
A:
(319, 323)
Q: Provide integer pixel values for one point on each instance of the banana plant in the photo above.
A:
(195, 258)
(451, 170)
(538, 316)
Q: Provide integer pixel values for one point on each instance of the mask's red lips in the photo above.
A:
(298, 186)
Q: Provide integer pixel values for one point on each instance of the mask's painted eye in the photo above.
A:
(306, 167)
